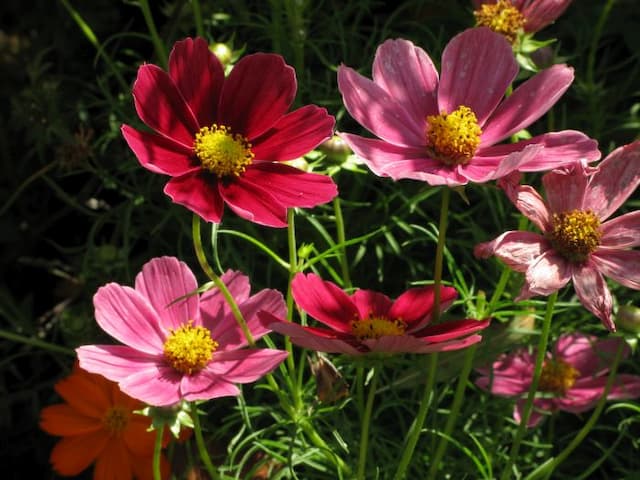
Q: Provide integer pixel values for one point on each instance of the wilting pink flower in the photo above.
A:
(368, 321)
(178, 345)
(572, 379)
(576, 242)
(444, 130)
(222, 140)
(508, 16)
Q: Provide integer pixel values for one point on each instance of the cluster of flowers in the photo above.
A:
(223, 141)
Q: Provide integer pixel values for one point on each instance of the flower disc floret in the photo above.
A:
(116, 419)
(372, 328)
(222, 152)
(501, 17)
(453, 138)
(575, 234)
(557, 377)
(189, 349)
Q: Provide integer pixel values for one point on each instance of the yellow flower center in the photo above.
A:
(375, 327)
(501, 17)
(557, 377)
(189, 349)
(116, 419)
(221, 152)
(453, 138)
(575, 234)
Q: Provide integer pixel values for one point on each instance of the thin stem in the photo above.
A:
(157, 452)
(526, 414)
(437, 270)
(344, 264)
(204, 264)
(197, 17)
(293, 269)
(34, 342)
(202, 448)
(366, 422)
(158, 45)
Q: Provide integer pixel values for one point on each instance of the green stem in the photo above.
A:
(197, 16)
(157, 453)
(34, 342)
(453, 413)
(584, 431)
(344, 264)
(202, 448)
(293, 269)
(437, 271)
(526, 413)
(158, 45)
(366, 422)
(204, 264)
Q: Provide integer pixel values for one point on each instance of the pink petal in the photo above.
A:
(205, 386)
(199, 193)
(589, 355)
(162, 281)
(377, 111)
(411, 344)
(548, 273)
(593, 293)
(213, 305)
(527, 103)
(372, 304)
(304, 338)
(199, 76)
(414, 307)
(515, 248)
(295, 134)
(505, 380)
(324, 301)
(450, 330)
(258, 91)
(623, 266)
(160, 105)
(245, 366)
(565, 188)
(483, 169)
(128, 317)
(539, 14)
(530, 204)
(254, 202)
(622, 231)
(539, 405)
(625, 387)
(617, 177)
(116, 362)
(159, 154)
(408, 75)
(158, 386)
(477, 67)
(291, 186)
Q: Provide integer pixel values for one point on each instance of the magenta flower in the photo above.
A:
(368, 321)
(223, 140)
(576, 242)
(444, 130)
(179, 348)
(572, 379)
(508, 16)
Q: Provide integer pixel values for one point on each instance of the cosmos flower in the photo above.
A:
(577, 242)
(98, 425)
(445, 130)
(369, 322)
(573, 376)
(223, 140)
(178, 345)
(507, 17)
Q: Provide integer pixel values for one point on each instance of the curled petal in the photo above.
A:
(594, 294)
(565, 187)
(517, 249)
(548, 273)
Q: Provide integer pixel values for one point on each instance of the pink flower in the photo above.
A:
(572, 379)
(444, 130)
(222, 140)
(507, 16)
(576, 242)
(368, 321)
(179, 347)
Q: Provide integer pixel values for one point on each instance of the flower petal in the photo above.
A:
(483, 169)
(72, 455)
(451, 330)
(548, 273)
(163, 281)
(198, 192)
(593, 293)
(158, 386)
(254, 202)
(527, 103)
(245, 366)
(372, 304)
(377, 111)
(414, 307)
(529, 202)
(161, 106)
(205, 387)
(620, 265)
(199, 76)
(408, 75)
(515, 248)
(324, 301)
(294, 134)
(305, 338)
(63, 420)
(115, 362)
(540, 14)
(588, 354)
(114, 461)
(622, 231)
(256, 94)
(540, 405)
(411, 344)
(85, 392)
(565, 187)
(213, 305)
(477, 67)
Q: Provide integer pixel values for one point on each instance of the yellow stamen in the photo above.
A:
(221, 152)
(501, 17)
(575, 234)
(557, 376)
(116, 419)
(189, 349)
(376, 327)
(453, 137)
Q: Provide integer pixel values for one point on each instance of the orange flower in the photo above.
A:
(97, 424)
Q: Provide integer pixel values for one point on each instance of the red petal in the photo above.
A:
(199, 193)
(254, 203)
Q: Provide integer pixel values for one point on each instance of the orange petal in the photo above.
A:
(64, 421)
(71, 455)
(114, 463)
(86, 392)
